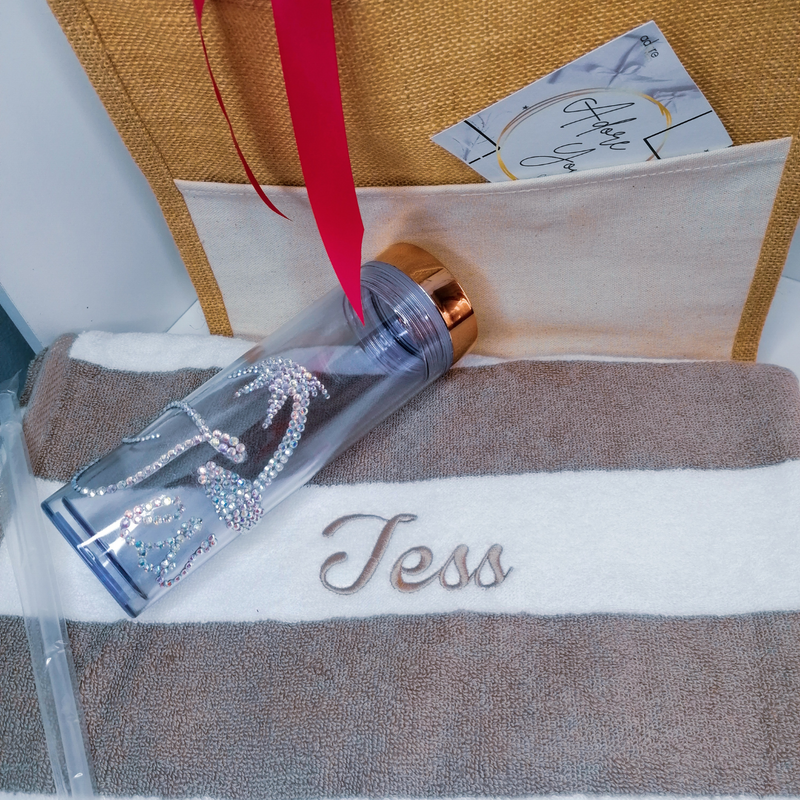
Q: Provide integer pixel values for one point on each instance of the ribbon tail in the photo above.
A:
(198, 13)
(310, 71)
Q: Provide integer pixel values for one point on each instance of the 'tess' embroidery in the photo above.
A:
(413, 562)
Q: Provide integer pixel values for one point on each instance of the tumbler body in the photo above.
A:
(151, 512)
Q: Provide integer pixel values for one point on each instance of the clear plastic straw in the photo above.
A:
(22, 523)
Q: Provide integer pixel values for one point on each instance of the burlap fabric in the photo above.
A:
(408, 70)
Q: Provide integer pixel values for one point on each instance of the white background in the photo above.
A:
(83, 243)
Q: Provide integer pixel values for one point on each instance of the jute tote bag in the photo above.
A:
(671, 259)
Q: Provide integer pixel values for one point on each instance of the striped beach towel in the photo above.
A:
(538, 578)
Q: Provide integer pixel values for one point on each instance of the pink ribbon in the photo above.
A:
(308, 57)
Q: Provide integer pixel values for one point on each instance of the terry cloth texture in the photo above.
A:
(625, 619)
(562, 415)
(650, 260)
(409, 70)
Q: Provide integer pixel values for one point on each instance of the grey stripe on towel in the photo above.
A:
(532, 416)
(24, 763)
(439, 706)
(516, 417)
(80, 411)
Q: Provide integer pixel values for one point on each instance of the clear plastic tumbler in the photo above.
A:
(148, 514)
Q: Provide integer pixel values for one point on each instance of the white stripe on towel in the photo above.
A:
(678, 542)
(156, 352)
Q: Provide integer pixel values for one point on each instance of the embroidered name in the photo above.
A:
(413, 561)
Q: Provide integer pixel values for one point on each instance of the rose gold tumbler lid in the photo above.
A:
(445, 291)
